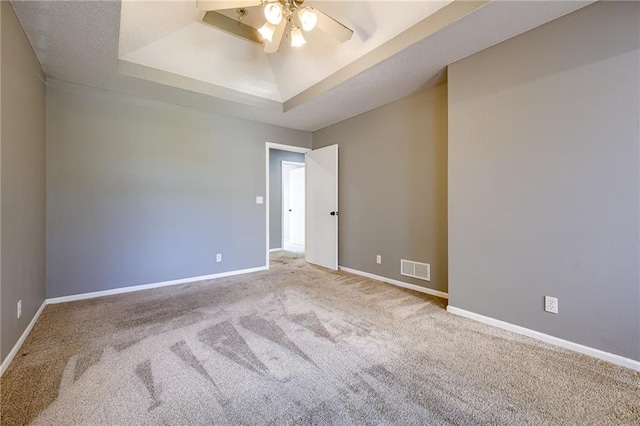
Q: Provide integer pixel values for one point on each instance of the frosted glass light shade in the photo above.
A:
(267, 30)
(273, 13)
(308, 19)
(297, 39)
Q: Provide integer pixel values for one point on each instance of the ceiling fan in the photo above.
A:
(281, 16)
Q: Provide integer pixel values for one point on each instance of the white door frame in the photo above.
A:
(289, 163)
(281, 147)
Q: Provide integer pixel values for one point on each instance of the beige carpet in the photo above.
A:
(298, 345)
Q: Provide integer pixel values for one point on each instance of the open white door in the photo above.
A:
(321, 246)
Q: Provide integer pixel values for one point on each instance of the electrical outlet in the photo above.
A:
(379, 259)
(551, 304)
(19, 308)
(219, 257)
(259, 200)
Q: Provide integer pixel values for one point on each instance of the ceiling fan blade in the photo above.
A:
(231, 26)
(208, 5)
(273, 46)
(332, 27)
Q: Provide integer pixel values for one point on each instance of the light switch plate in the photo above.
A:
(259, 200)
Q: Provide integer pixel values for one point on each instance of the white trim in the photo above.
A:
(397, 283)
(283, 207)
(121, 290)
(23, 337)
(281, 147)
(596, 353)
(290, 148)
(275, 249)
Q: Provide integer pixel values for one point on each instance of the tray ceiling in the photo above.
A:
(170, 36)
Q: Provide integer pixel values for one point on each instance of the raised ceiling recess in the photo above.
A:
(218, 43)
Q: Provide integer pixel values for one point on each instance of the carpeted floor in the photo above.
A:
(298, 345)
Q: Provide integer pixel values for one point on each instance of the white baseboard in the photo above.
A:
(596, 353)
(397, 283)
(121, 290)
(276, 249)
(23, 337)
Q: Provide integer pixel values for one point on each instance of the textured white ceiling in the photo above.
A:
(146, 21)
(78, 41)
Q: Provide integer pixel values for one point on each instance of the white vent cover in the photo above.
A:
(421, 271)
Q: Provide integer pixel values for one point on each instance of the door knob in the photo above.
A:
(334, 213)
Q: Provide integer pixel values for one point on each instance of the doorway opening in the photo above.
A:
(285, 229)
(293, 206)
(320, 203)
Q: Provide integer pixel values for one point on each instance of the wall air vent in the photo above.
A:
(421, 271)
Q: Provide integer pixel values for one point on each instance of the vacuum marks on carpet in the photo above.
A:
(182, 350)
(227, 341)
(144, 373)
(298, 345)
(270, 330)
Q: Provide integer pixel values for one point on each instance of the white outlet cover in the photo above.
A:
(219, 257)
(19, 308)
(378, 259)
(259, 200)
(551, 304)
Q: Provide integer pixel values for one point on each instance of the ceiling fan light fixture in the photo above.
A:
(273, 13)
(284, 19)
(267, 31)
(308, 18)
(297, 39)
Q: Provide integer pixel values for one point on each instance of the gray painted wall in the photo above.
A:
(22, 146)
(544, 173)
(393, 186)
(276, 157)
(141, 191)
